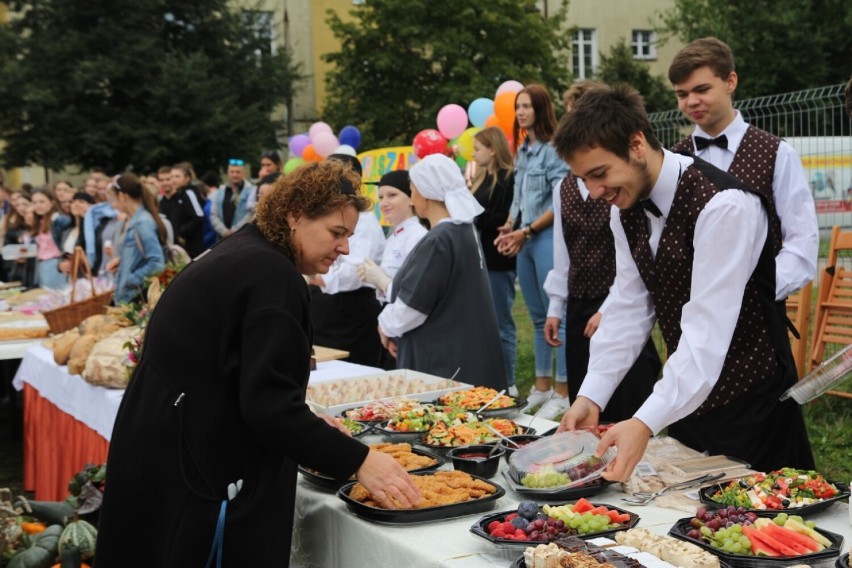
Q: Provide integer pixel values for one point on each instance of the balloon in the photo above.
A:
(466, 143)
(492, 121)
(325, 143)
(428, 142)
(310, 154)
(460, 162)
(346, 149)
(504, 108)
(292, 164)
(298, 143)
(479, 110)
(317, 128)
(351, 136)
(510, 86)
(452, 120)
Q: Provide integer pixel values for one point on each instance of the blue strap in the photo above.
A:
(218, 538)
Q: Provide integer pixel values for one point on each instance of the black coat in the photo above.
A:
(230, 339)
(185, 211)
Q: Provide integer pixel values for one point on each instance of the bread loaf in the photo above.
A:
(62, 345)
(80, 352)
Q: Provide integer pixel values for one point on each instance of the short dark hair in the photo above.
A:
(272, 155)
(705, 52)
(604, 117)
(83, 196)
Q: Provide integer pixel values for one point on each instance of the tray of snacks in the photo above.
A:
(555, 493)
(786, 490)
(531, 522)
(412, 423)
(413, 460)
(572, 552)
(444, 495)
(379, 411)
(566, 459)
(357, 429)
(749, 541)
(475, 398)
(465, 433)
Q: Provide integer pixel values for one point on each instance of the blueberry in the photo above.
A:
(528, 509)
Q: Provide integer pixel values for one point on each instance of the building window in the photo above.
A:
(644, 44)
(585, 53)
(262, 25)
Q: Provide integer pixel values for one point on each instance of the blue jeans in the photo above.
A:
(534, 262)
(49, 275)
(503, 292)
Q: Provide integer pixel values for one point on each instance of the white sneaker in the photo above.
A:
(555, 408)
(536, 398)
(513, 391)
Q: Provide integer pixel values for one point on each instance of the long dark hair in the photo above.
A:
(41, 223)
(130, 184)
(545, 116)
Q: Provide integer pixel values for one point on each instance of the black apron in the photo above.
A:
(348, 321)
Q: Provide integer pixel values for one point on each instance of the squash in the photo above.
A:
(80, 534)
(70, 558)
(51, 512)
(33, 527)
(41, 550)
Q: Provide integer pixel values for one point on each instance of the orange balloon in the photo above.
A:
(492, 121)
(504, 109)
(310, 154)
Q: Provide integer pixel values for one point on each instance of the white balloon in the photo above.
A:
(346, 149)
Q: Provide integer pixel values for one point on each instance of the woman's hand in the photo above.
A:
(630, 439)
(334, 423)
(387, 343)
(112, 265)
(389, 483)
(511, 243)
(551, 332)
(582, 414)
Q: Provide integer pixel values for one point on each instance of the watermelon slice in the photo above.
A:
(759, 547)
(582, 506)
(791, 536)
(755, 534)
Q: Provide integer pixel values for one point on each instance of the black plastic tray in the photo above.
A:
(407, 516)
(480, 528)
(804, 511)
(443, 449)
(519, 563)
(843, 561)
(589, 489)
(382, 430)
(823, 558)
(332, 484)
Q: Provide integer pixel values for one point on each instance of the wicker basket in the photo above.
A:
(64, 318)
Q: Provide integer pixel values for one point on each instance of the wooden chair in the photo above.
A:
(799, 312)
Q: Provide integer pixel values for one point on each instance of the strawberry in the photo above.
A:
(511, 516)
(520, 535)
(498, 533)
(508, 528)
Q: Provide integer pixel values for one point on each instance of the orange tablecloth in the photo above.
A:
(56, 446)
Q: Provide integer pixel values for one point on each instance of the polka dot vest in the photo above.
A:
(753, 164)
(751, 357)
(591, 248)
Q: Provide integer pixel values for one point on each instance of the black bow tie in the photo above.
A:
(651, 207)
(720, 141)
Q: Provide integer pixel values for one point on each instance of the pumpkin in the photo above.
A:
(33, 528)
(81, 534)
(70, 558)
(41, 550)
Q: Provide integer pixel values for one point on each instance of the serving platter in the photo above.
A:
(443, 449)
(428, 514)
(328, 483)
(706, 497)
(589, 489)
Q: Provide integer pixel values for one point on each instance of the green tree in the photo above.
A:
(402, 60)
(620, 67)
(141, 83)
(779, 45)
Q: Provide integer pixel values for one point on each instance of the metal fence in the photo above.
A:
(815, 123)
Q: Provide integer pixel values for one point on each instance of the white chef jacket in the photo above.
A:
(796, 262)
(729, 236)
(400, 242)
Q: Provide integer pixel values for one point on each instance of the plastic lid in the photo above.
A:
(834, 370)
(562, 460)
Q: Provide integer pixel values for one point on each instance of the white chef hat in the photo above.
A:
(438, 178)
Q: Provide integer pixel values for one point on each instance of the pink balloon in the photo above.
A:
(452, 120)
(510, 86)
(318, 127)
(325, 143)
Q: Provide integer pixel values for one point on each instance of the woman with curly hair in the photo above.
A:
(209, 433)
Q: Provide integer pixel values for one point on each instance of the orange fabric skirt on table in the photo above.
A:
(56, 446)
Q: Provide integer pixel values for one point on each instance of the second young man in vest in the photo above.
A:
(694, 252)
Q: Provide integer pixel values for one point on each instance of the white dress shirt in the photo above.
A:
(795, 264)
(556, 282)
(400, 242)
(729, 236)
(368, 241)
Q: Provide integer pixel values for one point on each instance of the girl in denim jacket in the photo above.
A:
(528, 233)
(47, 232)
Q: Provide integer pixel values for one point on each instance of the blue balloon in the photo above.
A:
(350, 135)
(479, 111)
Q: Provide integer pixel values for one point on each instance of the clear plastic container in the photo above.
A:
(563, 460)
(836, 369)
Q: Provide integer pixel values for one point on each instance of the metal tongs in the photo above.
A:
(489, 403)
(644, 497)
(494, 430)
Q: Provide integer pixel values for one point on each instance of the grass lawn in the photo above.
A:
(828, 418)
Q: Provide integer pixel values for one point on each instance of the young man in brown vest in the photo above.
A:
(694, 252)
(704, 80)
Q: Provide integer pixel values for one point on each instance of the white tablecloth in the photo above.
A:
(96, 407)
(327, 535)
(15, 349)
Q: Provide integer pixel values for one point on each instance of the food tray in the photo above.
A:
(706, 493)
(325, 482)
(843, 561)
(520, 563)
(824, 558)
(480, 527)
(444, 449)
(568, 454)
(589, 489)
(508, 412)
(334, 396)
(381, 428)
(407, 516)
